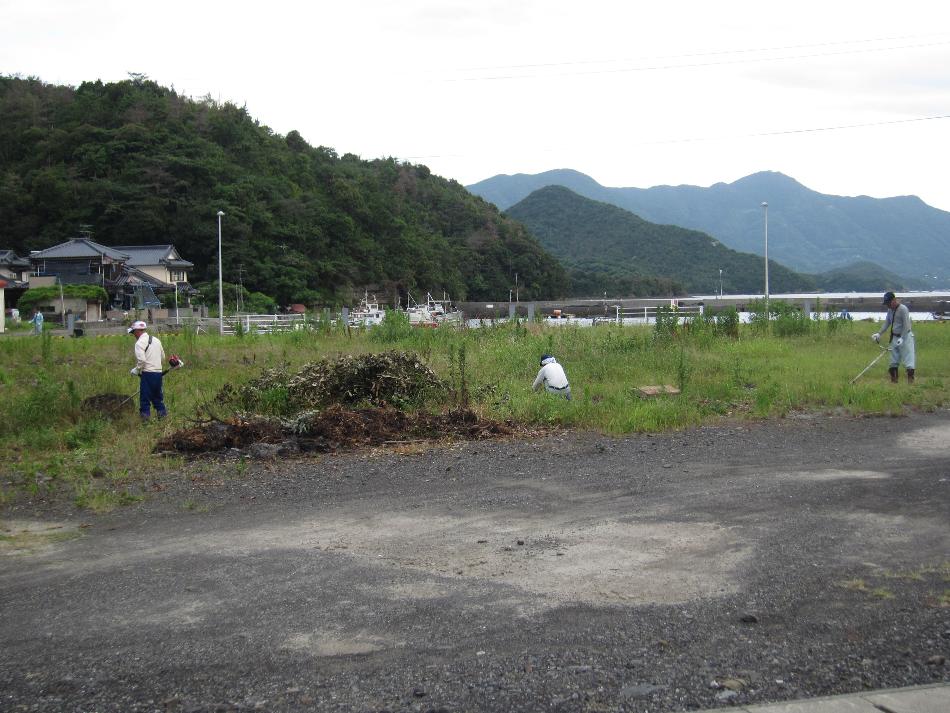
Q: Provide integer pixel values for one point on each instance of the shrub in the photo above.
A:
(42, 295)
(727, 323)
(788, 320)
(394, 327)
(667, 324)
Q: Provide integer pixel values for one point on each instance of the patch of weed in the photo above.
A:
(103, 501)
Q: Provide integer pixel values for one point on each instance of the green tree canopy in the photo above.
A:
(144, 165)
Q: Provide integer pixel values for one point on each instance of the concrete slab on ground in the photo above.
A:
(915, 699)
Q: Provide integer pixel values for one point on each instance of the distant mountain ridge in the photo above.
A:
(808, 231)
(607, 248)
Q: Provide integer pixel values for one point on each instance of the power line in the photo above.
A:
(802, 131)
(696, 65)
(784, 132)
(711, 53)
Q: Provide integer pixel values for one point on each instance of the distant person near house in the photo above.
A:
(901, 339)
(149, 357)
(552, 378)
(37, 321)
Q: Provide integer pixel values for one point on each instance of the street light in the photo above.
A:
(765, 207)
(220, 278)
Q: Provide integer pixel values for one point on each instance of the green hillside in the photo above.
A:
(139, 164)
(863, 277)
(599, 240)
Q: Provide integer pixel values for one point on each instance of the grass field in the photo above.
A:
(48, 444)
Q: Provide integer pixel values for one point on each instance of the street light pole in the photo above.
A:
(765, 207)
(220, 278)
(720, 283)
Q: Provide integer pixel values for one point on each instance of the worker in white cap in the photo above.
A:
(149, 357)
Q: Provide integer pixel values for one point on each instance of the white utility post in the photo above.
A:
(765, 207)
(220, 278)
(720, 283)
(62, 301)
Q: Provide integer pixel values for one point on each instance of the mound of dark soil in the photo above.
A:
(108, 405)
(336, 429)
(221, 435)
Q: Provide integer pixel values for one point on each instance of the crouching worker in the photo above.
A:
(149, 357)
(552, 378)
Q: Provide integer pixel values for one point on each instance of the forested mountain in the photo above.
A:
(862, 277)
(808, 231)
(139, 164)
(606, 247)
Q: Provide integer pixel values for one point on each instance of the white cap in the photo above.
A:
(136, 325)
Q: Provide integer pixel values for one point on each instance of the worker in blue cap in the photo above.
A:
(902, 337)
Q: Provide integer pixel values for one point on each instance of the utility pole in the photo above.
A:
(239, 289)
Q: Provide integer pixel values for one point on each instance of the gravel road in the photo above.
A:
(730, 564)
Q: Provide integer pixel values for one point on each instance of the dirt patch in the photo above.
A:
(930, 441)
(336, 429)
(109, 405)
(323, 644)
(26, 537)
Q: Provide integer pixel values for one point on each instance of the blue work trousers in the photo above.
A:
(150, 392)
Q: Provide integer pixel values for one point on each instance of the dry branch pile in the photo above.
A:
(396, 378)
(332, 405)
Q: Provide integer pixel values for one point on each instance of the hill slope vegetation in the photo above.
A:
(139, 164)
(608, 248)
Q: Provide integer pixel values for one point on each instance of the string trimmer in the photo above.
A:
(884, 350)
(175, 363)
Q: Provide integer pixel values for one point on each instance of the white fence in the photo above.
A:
(647, 315)
(263, 323)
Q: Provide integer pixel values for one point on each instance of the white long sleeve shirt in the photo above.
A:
(900, 317)
(149, 357)
(552, 376)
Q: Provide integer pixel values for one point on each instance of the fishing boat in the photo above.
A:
(433, 313)
(368, 314)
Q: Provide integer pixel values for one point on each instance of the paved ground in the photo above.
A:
(734, 565)
(914, 699)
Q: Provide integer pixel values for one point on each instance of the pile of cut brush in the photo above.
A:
(392, 378)
(334, 405)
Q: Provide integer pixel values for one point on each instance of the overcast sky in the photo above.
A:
(630, 93)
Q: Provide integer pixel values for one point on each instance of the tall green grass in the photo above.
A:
(47, 442)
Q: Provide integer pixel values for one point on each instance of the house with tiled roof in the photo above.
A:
(79, 261)
(133, 275)
(159, 261)
(13, 268)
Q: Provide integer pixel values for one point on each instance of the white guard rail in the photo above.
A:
(263, 323)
